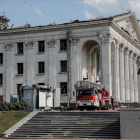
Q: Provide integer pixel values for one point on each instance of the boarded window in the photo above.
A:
(63, 66)
(63, 45)
(20, 47)
(1, 58)
(63, 87)
(20, 68)
(1, 79)
(41, 67)
(41, 46)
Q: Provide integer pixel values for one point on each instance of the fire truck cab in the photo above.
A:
(91, 95)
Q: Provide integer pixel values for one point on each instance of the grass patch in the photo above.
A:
(9, 118)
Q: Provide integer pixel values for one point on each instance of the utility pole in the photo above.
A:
(68, 68)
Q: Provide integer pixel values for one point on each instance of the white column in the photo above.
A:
(138, 75)
(30, 62)
(95, 66)
(135, 78)
(9, 70)
(131, 76)
(126, 69)
(122, 83)
(47, 63)
(106, 62)
(52, 61)
(74, 65)
(117, 72)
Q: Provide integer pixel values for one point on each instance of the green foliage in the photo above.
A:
(9, 118)
(22, 105)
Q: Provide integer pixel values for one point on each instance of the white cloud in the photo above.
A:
(39, 12)
(5, 6)
(103, 6)
(135, 7)
(28, 7)
(88, 15)
(112, 7)
(80, 2)
(36, 10)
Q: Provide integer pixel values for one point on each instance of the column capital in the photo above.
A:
(74, 41)
(135, 55)
(126, 50)
(29, 45)
(118, 42)
(105, 37)
(138, 58)
(9, 46)
(121, 46)
(51, 42)
(131, 53)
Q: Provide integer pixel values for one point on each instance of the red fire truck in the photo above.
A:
(91, 95)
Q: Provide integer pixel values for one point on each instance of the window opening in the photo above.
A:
(1, 58)
(41, 84)
(63, 45)
(63, 66)
(63, 87)
(1, 79)
(20, 68)
(20, 47)
(41, 68)
(41, 46)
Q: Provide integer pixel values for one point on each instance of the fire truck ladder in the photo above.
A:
(87, 85)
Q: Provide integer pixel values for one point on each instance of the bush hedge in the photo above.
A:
(22, 105)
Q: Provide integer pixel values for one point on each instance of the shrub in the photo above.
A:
(22, 105)
(4, 106)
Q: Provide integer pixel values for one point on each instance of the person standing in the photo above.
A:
(112, 102)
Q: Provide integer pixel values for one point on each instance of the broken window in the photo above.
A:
(41, 67)
(63, 45)
(20, 47)
(63, 87)
(41, 84)
(20, 68)
(1, 58)
(63, 66)
(1, 79)
(41, 46)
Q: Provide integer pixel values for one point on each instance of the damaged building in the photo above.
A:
(101, 50)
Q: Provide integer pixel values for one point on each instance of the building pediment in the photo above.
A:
(130, 29)
(129, 24)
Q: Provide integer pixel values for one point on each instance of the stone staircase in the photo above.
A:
(70, 125)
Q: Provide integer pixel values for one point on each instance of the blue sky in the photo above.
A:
(44, 12)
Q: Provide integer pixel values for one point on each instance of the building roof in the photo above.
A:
(20, 27)
(75, 21)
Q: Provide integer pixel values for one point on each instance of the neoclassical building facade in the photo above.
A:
(101, 50)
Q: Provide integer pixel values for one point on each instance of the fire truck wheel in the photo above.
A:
(81, 108)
